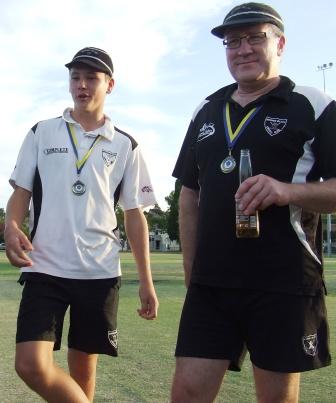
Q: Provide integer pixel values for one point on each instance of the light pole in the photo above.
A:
(322, 68)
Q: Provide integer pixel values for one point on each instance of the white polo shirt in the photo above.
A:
(73, 235)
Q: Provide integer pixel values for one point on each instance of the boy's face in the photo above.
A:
(88, 88)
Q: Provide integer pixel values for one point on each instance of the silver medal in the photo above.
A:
(228, 164)
(78, 188)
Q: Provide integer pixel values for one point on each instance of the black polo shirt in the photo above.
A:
(292, 139)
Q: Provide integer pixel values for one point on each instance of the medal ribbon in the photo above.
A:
(231, 136)
(74, 142)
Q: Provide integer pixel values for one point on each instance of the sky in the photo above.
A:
(166, 62)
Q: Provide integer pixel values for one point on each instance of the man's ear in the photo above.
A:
(281, 45)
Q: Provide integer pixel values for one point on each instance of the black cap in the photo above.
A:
(93, 57)
(249, 14)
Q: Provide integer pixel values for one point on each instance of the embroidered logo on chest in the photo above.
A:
(274, 126)
(109, 157)
(208, 129)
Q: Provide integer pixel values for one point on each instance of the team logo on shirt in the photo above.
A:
(147, 189)
(274, 126)
(310, 344)
(108, 157)
(208, 129)
(113, 337)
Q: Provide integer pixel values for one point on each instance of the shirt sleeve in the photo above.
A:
(136, 187)
(324, 145)
(25, 168)
(186, 169)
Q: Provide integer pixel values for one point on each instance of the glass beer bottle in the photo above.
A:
(247, 226)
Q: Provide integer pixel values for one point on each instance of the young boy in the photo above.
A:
(73, 170)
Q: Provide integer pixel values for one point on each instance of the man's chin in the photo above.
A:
(249, 77)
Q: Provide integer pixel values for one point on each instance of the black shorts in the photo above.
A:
(281, 332)
(93, 312)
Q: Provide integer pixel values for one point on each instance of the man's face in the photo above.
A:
(255, 59)
(88, 88)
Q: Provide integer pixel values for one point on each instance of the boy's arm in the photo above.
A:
(17, 244)
(137, 234)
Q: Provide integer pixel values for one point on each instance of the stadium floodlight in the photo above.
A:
(323, 67)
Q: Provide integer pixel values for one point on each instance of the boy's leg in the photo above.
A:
(276, 387)
(34, 363)
(82, 367)
(93, 328)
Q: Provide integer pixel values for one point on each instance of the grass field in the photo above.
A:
(142, 373)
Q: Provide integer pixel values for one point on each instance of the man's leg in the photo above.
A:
(82, 367)
(34, 363)
(276, 387)
(197, 380)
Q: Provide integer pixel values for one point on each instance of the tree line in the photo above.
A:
(157, 219)
(164, 221)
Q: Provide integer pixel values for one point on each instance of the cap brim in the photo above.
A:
(220, 30)
(91, 63)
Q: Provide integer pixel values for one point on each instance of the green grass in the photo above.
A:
(143, 371)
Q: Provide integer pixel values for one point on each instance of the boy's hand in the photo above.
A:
(17, 244)
(149, 302)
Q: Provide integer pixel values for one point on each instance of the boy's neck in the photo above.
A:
(88, 120)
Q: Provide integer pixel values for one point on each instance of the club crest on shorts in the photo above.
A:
(113, 337)
(108, 157)
(208, 129)
(274, 126)
(310, 344)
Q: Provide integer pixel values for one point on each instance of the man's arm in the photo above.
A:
(188, 220)
(261, 191)
(17, 244)
(137, 235)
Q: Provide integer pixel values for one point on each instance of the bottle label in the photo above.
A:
(248, 221)
(247, 226)
(253, 221)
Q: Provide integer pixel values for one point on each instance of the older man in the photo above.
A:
(264, 295)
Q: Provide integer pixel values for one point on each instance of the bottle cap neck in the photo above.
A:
(244, 152)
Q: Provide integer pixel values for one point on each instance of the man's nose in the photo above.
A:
(244, 47)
